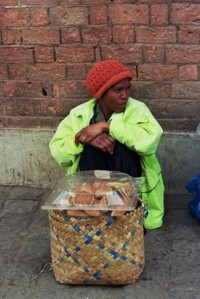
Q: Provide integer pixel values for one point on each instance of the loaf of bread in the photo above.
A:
(100, 196)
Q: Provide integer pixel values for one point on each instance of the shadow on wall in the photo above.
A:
(26, 159)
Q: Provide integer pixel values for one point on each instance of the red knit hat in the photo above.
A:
(104, 75)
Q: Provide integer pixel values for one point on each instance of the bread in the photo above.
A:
(83, 198)
(94, 213)
(100, 194)
(117, 213)
(76, 213)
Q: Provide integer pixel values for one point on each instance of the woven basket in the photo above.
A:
(104, 251)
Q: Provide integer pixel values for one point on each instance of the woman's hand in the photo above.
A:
(104, 142)
(87, 134)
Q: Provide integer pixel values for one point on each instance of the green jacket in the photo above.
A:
(137, 128)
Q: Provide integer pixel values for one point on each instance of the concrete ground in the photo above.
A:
(172, 254)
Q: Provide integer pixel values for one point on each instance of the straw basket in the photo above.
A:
(97, 250)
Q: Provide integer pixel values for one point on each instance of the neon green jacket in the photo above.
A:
(136, 128)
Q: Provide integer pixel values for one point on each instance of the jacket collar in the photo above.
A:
(80, 110)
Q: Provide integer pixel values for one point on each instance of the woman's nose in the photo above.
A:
(123, 94)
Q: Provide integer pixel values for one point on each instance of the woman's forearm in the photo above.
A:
(90, 132)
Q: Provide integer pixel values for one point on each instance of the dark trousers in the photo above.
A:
(122, 159)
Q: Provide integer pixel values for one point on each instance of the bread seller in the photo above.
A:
(113, 131)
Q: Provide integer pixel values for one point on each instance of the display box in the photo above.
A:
(92, 191)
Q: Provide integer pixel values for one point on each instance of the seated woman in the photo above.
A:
(113, 131)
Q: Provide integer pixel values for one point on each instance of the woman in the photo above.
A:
(113, 131)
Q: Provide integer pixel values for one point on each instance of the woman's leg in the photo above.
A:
(122, 159)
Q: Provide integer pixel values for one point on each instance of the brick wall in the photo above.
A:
(48, 46)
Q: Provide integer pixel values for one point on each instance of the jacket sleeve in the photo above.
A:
(62, 146)
(137, 129)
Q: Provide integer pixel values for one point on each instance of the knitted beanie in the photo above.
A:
(104, 75)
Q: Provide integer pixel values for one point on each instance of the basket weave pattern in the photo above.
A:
(92, 250)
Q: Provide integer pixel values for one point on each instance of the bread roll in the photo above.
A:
(106, 191)
(76, 213)
(95, 213)
(100, 195)
(117, 213)
(83, 198)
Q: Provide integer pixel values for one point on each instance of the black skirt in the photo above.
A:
(122, 159)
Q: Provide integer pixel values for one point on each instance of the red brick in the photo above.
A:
(17, 71)
(193, 1)
(23, 89)
(154, 53)
(7, 107)
(186, 90)
(70, 35)
(39, 16)
(69, 89)
(11, 36)
(158, 90)
(97, 53)
(94, 1)
(183, 54)
(185, 13)
(167, 57)
(129, 14)
(151, 1)
(165, 90)
(97, 34)
(76, 71)
(188, 72)
(89, 66)
(16, 55)
(123, 34)
(47, 107)
(44, 54)
(189, 34)
(174, 109)
(179, 125)
(32, 2)
(66, 16)
(24, 107)
(15, 17)
(134, 70)
(156, 34)
(122, 1)
(126, 53)
(159, 14)
(46, 71)
(156, 72)
(148, 90)
(49, 122)
(98, 15)
(20, 122)
(38, 71)
(74, 54)
(61, 2)
(3, 71)
(8, 2)
(40, 36)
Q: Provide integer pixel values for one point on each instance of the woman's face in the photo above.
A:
(115, 98)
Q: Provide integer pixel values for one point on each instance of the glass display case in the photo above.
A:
(94, 193)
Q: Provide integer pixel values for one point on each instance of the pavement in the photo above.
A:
(172, 253)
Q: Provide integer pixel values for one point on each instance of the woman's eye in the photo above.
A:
(118, 89)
